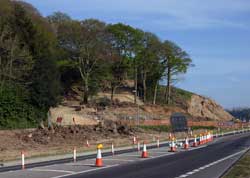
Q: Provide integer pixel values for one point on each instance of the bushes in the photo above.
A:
(203, 127)
(15, 109)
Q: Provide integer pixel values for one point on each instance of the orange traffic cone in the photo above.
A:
(195, 144)
(98, 162)
(186, 144)
(205, 138)
(172, 146)
(211, 137)
(144, 151)
(200, 140)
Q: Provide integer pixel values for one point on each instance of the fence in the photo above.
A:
(220, 124)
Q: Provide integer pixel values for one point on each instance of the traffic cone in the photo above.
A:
(206, 138)
(212, 137)
(112, 149)
(186, 144)
(200, 139)
(172, 146)
(98, 162)
(23, 160)
(195, 144)
(144, 151)
(74, 154)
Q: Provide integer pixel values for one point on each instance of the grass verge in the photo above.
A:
(241, 168)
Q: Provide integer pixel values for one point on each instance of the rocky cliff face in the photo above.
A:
(202, 107)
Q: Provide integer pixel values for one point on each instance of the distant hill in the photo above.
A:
(241, 113)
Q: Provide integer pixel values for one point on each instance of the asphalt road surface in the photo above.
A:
(207, 161)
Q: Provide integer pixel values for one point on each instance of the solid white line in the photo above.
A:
(51, 170)
(111, 159)
(130, 155)
(90, 170)
(158, 152)
(211, 164)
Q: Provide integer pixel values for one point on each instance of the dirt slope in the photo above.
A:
(202, 107)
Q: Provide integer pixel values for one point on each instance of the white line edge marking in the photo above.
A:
(51, 170)
(211, 164)
(90, 170)
(113, 159)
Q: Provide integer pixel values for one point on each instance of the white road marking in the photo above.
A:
(211, 164)
(130, 155)
(160, 152)
(90, 170)
(51, 170)
(112, 159)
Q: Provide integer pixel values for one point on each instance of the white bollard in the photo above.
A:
(138, 146)
(87, 143)
(134, 140)
(158, 143)
(23, 160)
(112, 149)
(74, 154)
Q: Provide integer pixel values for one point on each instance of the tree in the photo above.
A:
(15, 56)
(127, 41)
(117, 74)
(45, 86)
(58, 18)
(85, 44)
(148, 58)
(177, 61)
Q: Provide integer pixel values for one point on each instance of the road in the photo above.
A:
(208, 161)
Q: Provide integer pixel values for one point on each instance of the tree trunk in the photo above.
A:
(86, 90)
(135, 82)
(168, 92)
(144, 87)
(113, 88)
(155, 93)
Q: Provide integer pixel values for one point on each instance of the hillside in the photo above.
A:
(193, 105)
(88, 70)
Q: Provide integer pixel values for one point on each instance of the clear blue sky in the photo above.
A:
(216, 33)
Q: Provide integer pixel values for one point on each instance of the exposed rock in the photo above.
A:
(202, 107)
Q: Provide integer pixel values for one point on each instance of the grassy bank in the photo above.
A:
(241, 169)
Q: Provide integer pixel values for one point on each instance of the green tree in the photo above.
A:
(148, 59)
(177, 61)
(127, 41)
(85, 44)
(45, 86)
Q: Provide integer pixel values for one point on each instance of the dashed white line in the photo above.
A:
(211, 164)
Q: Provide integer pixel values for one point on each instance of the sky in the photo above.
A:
(215, 33)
